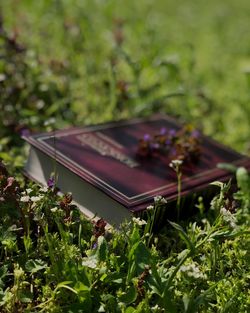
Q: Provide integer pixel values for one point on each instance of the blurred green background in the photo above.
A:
(84, 62)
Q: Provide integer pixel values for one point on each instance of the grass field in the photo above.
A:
(114, 59)
(73, 62)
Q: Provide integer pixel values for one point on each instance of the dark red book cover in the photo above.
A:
(106, 157)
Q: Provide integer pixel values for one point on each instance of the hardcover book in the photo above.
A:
(101, 166)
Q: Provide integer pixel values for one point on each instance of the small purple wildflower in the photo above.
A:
(168, 142)
(172, 132)
(195, 133)
(155, 145)
(24, 132)
(163, 131)
(51, 182)
(173, 151)
(146, 137)
(94, 246)
(182, 144)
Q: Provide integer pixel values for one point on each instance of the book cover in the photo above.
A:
(106, 157)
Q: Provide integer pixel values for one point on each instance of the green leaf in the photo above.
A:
(64, 284)
(103, 277)
(27, 243)
(131, 272)
(102, 249)
(167, 301)
(3, 273)
(218, 184)
(141, 256)
(186, 301)
(34, 266)
(25, 296)
(129, 296)
(155, 281)
(135, 236)
(184, 236)
(109, 303)
(228, 167)
(84, 296)
(201, 299)
(115, 277)
(130, 309)
(79, 287)
(243, 179)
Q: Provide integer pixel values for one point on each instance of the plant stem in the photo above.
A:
(179, 194)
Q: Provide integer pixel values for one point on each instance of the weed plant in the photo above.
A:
(79, 62)
(85, 62)
(53, 260)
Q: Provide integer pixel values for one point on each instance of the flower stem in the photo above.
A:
(179, 194)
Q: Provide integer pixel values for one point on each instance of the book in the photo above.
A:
(101, 166)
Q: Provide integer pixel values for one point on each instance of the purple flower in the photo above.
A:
(24, 132)
(172, 132)
(163, 131)
(195, 133)
(155, 145)
(146, 137)
(173, 151)
(168, 142)
(51, 182)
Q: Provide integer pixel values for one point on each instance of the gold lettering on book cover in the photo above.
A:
(106, 149)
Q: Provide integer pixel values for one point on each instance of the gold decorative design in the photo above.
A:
(105, 149)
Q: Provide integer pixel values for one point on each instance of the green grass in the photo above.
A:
(196, 50)
(53, 260)
(70, 62)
